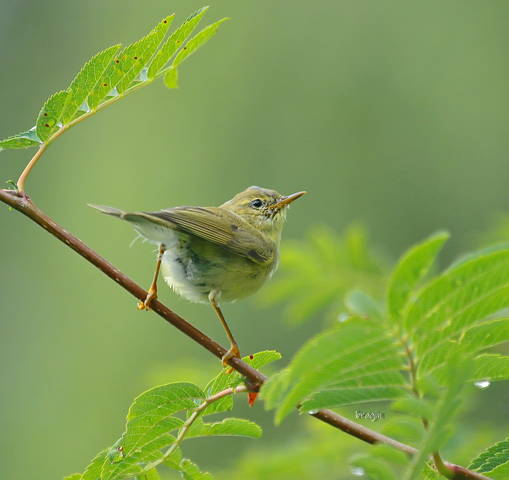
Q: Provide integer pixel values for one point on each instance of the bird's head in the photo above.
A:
(262, 208)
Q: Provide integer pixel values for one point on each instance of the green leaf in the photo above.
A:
(274, 389)
(339, 397)
(175, 40)
(411, 268)
(501, 472)
(83, 84)
(491, 367)
(150, 475)
(51, 114)
(362, 304)
(129, 63)
(73, 476)
(228, 427)
(149, 423)
(430, 473)
(492, 457)
(414, 407)
(21, 140)
(173, 460)
(171, 78)
(458, 291)
(197, 41)
(93, 470)
(356, 345)
(475, 338)
(191, 471)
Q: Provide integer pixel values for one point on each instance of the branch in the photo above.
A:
(254, 379)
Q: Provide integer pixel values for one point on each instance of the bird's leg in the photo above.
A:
(233, 351)
(152, 291)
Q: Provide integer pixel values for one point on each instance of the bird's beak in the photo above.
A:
(284, 201)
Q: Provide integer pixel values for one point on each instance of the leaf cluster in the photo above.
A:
(419, 351)
(160, 419)
(115, 72)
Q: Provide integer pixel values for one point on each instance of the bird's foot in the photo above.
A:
(145, 304)
(233, 352)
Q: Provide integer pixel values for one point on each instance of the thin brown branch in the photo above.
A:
(254, 379)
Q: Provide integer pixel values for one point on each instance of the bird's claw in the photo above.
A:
(145, 304)
(233, 352)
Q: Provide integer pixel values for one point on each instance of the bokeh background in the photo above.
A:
(393, 114)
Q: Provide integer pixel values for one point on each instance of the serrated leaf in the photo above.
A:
(51, 114)
(150, 475)
(228, 427)
(411, 268)
(491, 458)
(85, 82)
(93, 470)
(128, 64)
(457, 291)
(73, 476)
(351, 396)
(149, 423)
(171, 78)
(431, 474)
(21, 140)
(323, 360)
(197, 41)
(500, 473)
(173, 460)
(191, 471)
(174, 42)
(475, 338)
(491, 366)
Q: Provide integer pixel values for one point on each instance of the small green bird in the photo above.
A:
(215, 254)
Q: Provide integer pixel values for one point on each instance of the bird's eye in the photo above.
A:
(257, 203)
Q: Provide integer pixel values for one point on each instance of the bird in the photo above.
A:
(214, 255)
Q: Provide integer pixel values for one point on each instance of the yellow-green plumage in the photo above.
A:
(227, 251)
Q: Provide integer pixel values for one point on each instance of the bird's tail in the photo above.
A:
(147, 226)
(114, 212)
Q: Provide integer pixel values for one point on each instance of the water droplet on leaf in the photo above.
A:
(143, 75)
(84, 107)
(357, 471)
(482, 384)
(113, 92)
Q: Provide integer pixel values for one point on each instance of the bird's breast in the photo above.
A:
(194, 268)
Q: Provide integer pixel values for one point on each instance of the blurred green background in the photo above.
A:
(390, 113)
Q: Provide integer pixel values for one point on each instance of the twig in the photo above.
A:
(254, 379)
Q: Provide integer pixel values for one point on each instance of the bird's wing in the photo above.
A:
(217, 226)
